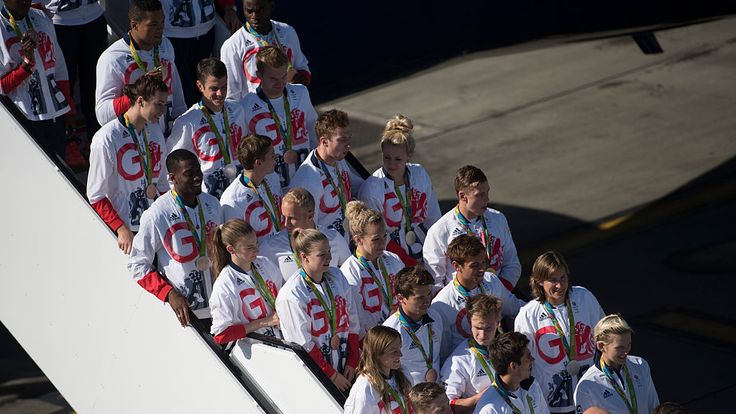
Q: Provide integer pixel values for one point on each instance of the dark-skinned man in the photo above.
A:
(239, 51)
(169, 255)
(142, 50)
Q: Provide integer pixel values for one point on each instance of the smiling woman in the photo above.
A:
(559, 325)
(381, 385)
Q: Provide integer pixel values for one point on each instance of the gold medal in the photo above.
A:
(572, 368)
(203, 263)
(411, 237)
(291, 157)
(151, 191)
(431, 375)
(335, 342)
(230, 171)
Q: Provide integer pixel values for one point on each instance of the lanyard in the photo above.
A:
(262, 287)
(142, 65)
(505, 395)
(223, 144)
(272, 210)
(484, 236)
(408, 328)
(405, 202)
(397, 396)
(571, 350)
(632, 406)
(331, 309)
(285, 128)
(385, 286)
(264, 40)
(482, 356)
(341, 189)
(199, 239)
(465, 292)
(145, 156)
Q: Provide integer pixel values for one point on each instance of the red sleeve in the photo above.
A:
(394, 248)
(353, 350)
(64, 86)
(232, 333)
(13, 79)
(506, 284)
(105, 210)
(225, 3)
(307, 76)
(121, 105)
(320, 360)
(156, 285)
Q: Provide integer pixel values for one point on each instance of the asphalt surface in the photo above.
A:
(624, 162)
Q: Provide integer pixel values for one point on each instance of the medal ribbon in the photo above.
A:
(142, 65)
(286, 131)
(482, 356)
(484, 237)
(264, 41)
(461, 289)
(633, 406)
(145, 156)
(331, 309)
(262, 287)
(200, 239)
(224, 145)
(397, 396)
(571, 350)
(385, 290)
(405, 203)
(341, 189)
(408, 328)
(505, 395)
(16, 29)
(271, 213)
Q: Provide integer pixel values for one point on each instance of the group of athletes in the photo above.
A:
(243, 209)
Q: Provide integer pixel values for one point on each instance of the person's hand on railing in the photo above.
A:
(349, 373)
(180, 305)
(125, 239)
(340, 381)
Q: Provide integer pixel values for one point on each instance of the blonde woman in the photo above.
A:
(625, 379)
(402, 192)
(317, 309)
(244, 294)
(559, 324)
(381, 387)
(371, 271)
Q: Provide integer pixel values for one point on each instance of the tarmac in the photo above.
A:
(624, 162)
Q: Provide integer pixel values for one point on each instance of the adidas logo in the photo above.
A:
(256, 107)
(458, 232)
(248, 197)
(607, 394)
(482, 373)
(239, 281)
(542, 316)
(288, 259)
(203, 121)
(248, 42)
(412, 345)
(173, 217)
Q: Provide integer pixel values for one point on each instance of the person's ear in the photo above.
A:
(458, 267)
(600, 345)
(230, 249)
(200, 87)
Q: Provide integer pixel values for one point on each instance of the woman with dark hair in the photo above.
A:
(381, 387)
(559, 324)
(127, 171)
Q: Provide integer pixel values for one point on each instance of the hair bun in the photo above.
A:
(399, 123)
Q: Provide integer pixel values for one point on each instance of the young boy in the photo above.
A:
(420, 327)
(471, 216)
(212, 128)
(255, 196)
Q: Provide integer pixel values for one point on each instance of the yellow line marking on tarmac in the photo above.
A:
(609, 224)
(680, 321)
